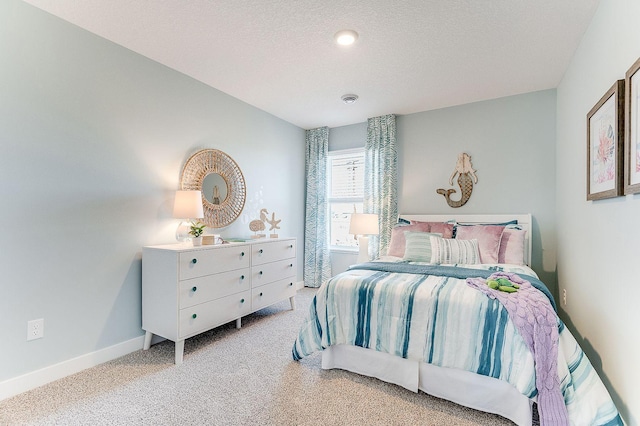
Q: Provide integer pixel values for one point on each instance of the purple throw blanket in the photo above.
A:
(535, 319)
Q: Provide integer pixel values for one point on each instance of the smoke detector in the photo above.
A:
(349, 99)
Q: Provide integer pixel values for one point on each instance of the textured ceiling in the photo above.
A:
(411, 56)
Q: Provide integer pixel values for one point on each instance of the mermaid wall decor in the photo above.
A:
(466, 178)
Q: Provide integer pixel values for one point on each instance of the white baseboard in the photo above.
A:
(20, 384)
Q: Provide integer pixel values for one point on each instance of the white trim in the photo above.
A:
(34, 379)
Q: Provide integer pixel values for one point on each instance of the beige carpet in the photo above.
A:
(232, 377)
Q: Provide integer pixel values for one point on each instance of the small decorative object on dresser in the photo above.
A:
(258, 225)
(196, 230)
(275, 224)
(189, 290)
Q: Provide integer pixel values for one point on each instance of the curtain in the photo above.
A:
(317, 261)
(381, 179)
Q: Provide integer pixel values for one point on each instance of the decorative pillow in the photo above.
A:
(512, 246)
(397, 243)
(449, 251)
(511, 223)
(444, 228)
(418, 247)
(488, 237)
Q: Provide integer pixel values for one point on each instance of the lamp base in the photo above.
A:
(363, 252)
(182, 231)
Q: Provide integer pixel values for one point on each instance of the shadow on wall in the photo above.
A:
(549, 278)
(596, 361)
(125, 319)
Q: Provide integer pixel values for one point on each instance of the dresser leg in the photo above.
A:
(179, 351)
(147, 340)
(292, 300)
(238, 322)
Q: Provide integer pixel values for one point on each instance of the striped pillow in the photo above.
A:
(450, 251)
(418, 246)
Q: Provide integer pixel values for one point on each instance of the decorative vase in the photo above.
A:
(196, 241)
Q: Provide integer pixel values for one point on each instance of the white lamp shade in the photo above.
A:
(188, 205)
(363, 224)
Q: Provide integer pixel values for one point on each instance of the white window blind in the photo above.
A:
(345, 193)
(347, 176)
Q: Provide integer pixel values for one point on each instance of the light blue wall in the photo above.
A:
(94, 138)
(512, 144)
(599, 241)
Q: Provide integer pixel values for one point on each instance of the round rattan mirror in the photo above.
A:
(221, 211)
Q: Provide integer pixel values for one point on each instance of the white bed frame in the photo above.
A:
(462, 387)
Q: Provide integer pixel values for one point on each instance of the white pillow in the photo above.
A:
(449, 251)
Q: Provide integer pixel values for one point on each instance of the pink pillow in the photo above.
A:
(397, 243)
(446, 229)
(512, 247)
(488, 237)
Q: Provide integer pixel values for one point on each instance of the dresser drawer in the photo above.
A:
(274, 271)
(204, 289)
(271, 251)
(198, 263)
(214, 313)
(271, 293)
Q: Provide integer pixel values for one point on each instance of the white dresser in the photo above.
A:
(188, 290)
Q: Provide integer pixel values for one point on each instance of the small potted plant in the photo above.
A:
(196, 230)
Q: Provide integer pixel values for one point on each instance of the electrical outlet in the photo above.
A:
(564, 297)
(35, 329)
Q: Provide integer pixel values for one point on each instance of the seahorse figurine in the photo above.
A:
(466, 178)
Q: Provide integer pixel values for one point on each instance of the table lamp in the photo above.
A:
(362, 225)
(187, 206)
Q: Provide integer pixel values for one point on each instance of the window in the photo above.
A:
(345, 176)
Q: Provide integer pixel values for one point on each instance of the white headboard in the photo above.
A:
(524, 221)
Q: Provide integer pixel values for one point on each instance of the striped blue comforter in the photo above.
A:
(439, 319)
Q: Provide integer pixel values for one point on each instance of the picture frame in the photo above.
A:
(605, 133)
(632, 130)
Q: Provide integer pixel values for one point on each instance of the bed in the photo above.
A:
(423, 319)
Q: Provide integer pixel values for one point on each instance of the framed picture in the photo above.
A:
(632, 127)
(605, 130)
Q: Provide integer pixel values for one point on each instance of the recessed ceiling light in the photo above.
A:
(349, 99)
(346, 37)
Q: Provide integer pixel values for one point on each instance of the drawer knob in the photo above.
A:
(194, 260)
(194, 316)
(260, 251)
(260, 273)
(291, 265)
(242, 254)
(260, 294)
(241, 300)
(290, 284)
(290, 245)
(194, 288)
(242, 277)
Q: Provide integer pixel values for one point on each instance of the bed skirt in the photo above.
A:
(462, 387)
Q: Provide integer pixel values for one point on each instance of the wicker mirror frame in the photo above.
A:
(207, 161)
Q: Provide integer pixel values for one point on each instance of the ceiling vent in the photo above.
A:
(349, 99)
